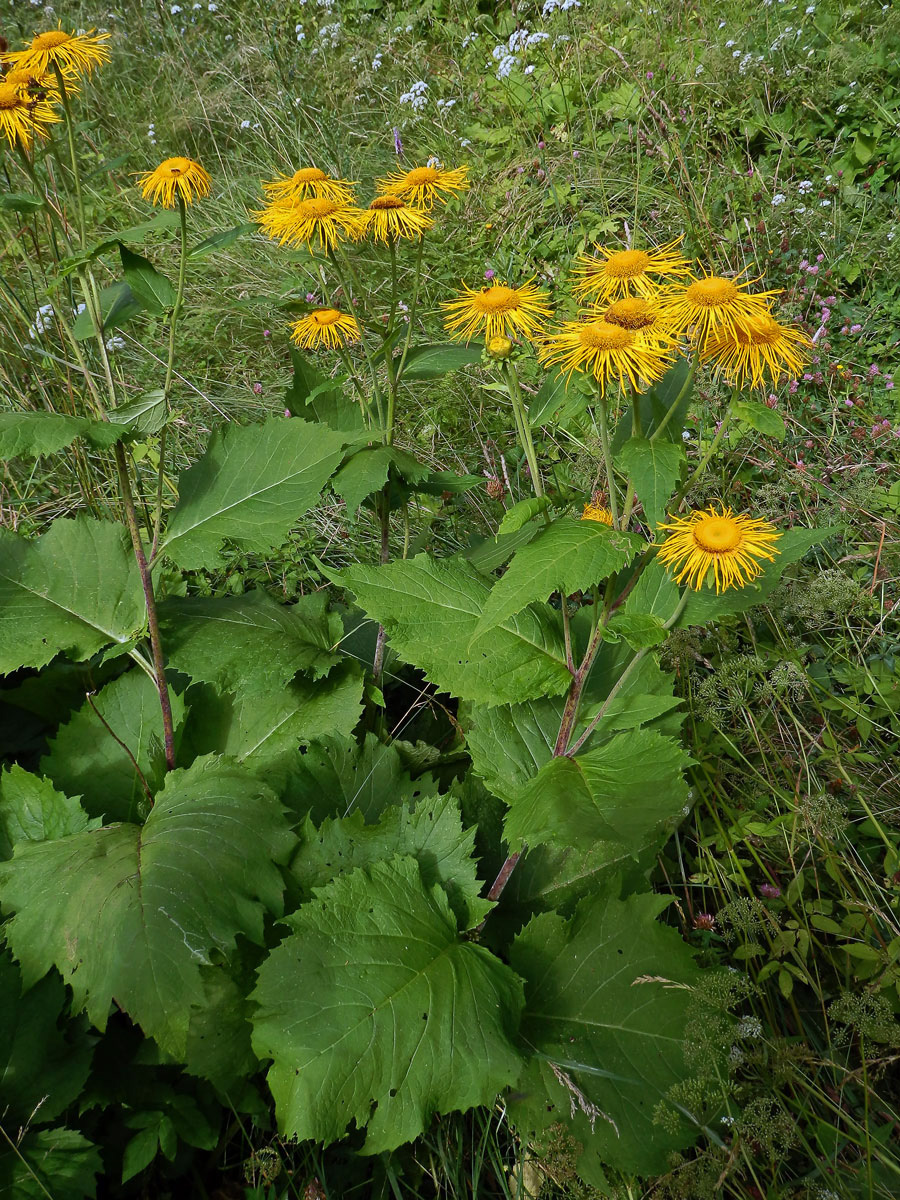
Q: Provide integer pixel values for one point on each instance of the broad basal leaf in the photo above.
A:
(621, 792)
(74, 590)
(251, 485)
(568, 556)
(32, 810)
(264, 730)
(84, 759)
(607, 995)
(374, 1000)
(431, 832)
(32, 434)
(130, 914)
(250, 643)
(654, 468)
(431, 608)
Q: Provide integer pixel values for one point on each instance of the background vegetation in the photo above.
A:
(768, 137)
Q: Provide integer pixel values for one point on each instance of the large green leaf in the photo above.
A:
(431, 608)
(32, 434)
(620, 792)
(607, 995)
(264, 729)
(252, 484)
(41, 1069)
(60, 1163)
(32, 810)
(568, 556)
(431, 832)
(130, 914)
(85, 760)
(759, 417)
(430, 362)
(250, 643)
(654, 468)
(73, 590)
(337, 776)
(374, 1000)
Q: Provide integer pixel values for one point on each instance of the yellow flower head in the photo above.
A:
(176, 176)
(72, 53)
(627, 272)
(715, 538)
(596, 512)
(648, 316)
(746, 355)
(314, 219)
(309, 181)
(22, 119)
(424, 185)
(498, 309)
(389, 218)
(325, 327)
(35, 87)
(713, 306)
(605, 351)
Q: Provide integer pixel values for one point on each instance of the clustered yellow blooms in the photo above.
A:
(32, 78)
(639, 306)
(313, 209)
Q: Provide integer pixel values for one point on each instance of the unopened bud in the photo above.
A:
(499, 346)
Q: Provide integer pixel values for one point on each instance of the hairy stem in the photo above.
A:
(150, 602)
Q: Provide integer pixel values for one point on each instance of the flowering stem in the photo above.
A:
(692, 371)
(70, 133)
(150, 602)
(607, 462)
(170, 367)
(412, 308)
(376, 388)
(701, 465)
(515, 395)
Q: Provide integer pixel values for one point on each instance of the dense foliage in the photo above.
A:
(361, 809)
